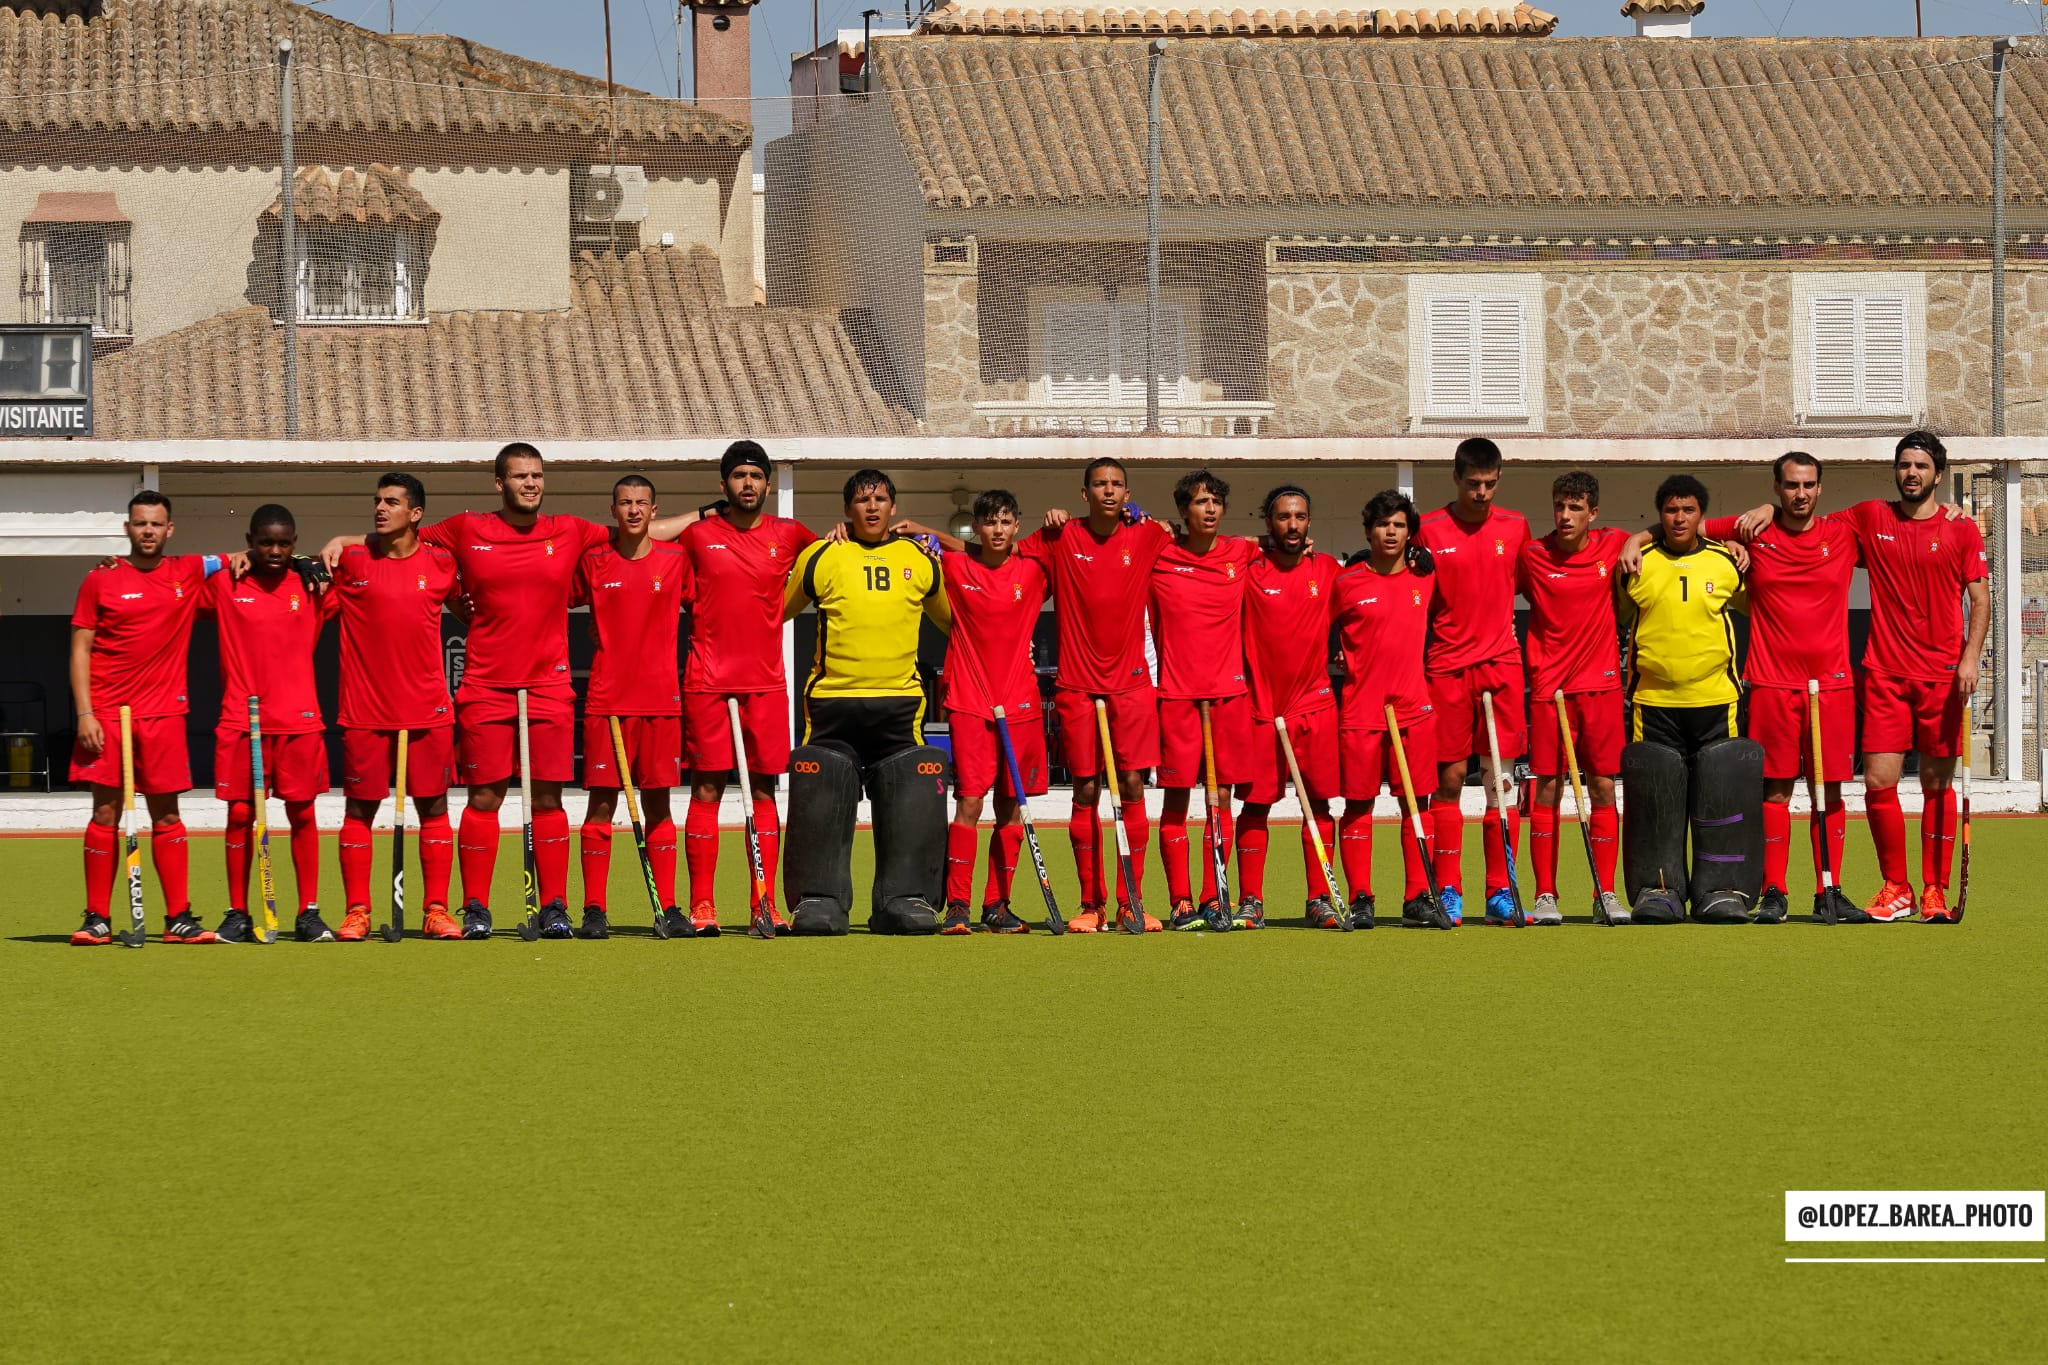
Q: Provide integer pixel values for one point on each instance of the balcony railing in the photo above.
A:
(1182, 419)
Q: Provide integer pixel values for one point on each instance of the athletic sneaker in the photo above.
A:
(310, 928)
(957, 921)
(997, 919)
(1934, 907)
(355, 925)
(1546, 905)
(554, 921)
(1089, 921)
(1500, 907)
(596, 923)
(1185, 916)
(235, 927)
(96, 932)
(1453, 902)
(704, 920)
(1123, 913)
(676, 922)
(1362, 911)
(1893, 901)
(1608, 909)
(1772, 907)
(1418, 913)
(476, 919)
(1320, 914)
(1846, 911)
(441, 924)
(184, 927)
(1251, 913)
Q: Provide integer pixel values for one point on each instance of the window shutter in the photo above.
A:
(401, 275)
(1832, 384)
(1451, 359)
(33, 283)
(1883, 334)
(1171, 347)
(1503, 364)
(1080, 352)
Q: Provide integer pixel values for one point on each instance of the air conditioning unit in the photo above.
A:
(611, 194)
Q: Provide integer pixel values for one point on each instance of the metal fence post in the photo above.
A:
(2041, 728)
(2006, 625)
(1158, 46)
(1999, 49)
(288, 241)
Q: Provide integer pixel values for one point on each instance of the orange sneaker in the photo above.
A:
(1934, 907)
(1089, 921)
(1893, 901)
(1152, 926)
(440, 924)
(355, 925)
(704, 920)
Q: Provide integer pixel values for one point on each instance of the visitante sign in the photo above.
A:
(45, 380)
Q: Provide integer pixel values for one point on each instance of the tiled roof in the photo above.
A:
(1493, 21)
(1635, 7)
(376, 194)
(989, 122)
(211, 66)
(649, 349)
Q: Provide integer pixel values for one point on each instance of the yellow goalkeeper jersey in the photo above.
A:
(870, 600)
(1682, 645)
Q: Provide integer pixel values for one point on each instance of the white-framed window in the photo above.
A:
(77, 273)
(357, 274)
(1092, 351)
(1475, 350)
(1859, 345)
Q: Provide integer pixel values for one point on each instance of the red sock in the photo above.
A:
(768, 829)
(1225, 833)
(437, 858)
(1417, 876)
(102, 855)
(661, 854)
(700, 850)
(1777, 843)
(1606, 844)
(1084, 831)
(1888, 832)
(305, 823)
(1326, 826)
(1543, 847)
(1354, 844)
(239, 845)
(173, 859)
(1447, 825)
(354, 852)
(960, 849)
(1252, 835)
(477, 843)
(595, 849)
(1138, 830)
(1005, 844)
(1496, 854)
(1938, 838)
(551, 854)
(1173, 853)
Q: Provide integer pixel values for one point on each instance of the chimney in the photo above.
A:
(1663, 18)
(720, 66)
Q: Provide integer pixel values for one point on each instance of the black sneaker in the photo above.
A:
(958, 922)
(184, 927)
(1251, 914)
(1185, 916)
(310, 928)
(595, 924)
(676, 922)
(1422, 912)
(997, 919)
(554, 921)
(1361, 912)
(1772, 907)
(1320, 914)
(235, 927)
(1845, 910)
(96, 932)
(476, 919)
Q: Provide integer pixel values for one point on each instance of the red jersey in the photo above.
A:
(1474, 619)
(1099, 590)
(390, 609)
(1918, 570)
(1574, 643)
(141, 625)
(1382, 621)
(520, 579)
(988, 659)
(1798, 584)
(267, 633)
(636, 613)
(1198, 619)
(1287, 635)
(739, 576)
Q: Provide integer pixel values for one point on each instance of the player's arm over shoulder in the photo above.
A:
(800, 589)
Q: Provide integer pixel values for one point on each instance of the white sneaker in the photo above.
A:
(1545, 910)
(1609, 909)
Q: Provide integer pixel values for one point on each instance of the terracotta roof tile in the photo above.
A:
(1634, 7)
(1495, 21)
(375, 194)
(647, 350)
(76, 206)
(1578, 121)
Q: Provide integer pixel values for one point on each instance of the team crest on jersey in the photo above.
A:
(1314, 590)
(551, 547)
(1710, 587)
(906, 573)
(295, 601)
(1230, 572)
(178, 589)
(1500, 547)
(1127, 559)
(1016, 592)
(773, 550)
(1933, 543)
(1415, 596)
(657, 585)
(1603, 569)
(423, 582)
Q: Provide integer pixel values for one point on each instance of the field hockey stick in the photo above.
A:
(639, 830)
(1436, 901)
(1516, 916)
(760, 909)
(1055, 923)
(266, 931)
(1571, 766)
(395, 930)
(137, 932)
(1963, 874)
(1828, 912)
(1134, 921)
(1212, 826)
(1308, 815)
(529, 925)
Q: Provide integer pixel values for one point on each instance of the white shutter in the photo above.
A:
(1886, 388)
(1450, 358)
(401, 274)
(1171, 352)
(1832, 365)
(1503, 359)
(1859, 356)
(1080, 352)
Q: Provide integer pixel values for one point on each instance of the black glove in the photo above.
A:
(313, 573)
(1420, 560)
(713, 509)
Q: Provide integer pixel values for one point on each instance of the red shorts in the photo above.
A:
(161, 762)
(1461, 720)
(487, 734)
(764, 721)
(1133, 730)
(294, 766)
(1908, 714)
(1368, 760)
(1314, 740)
(1778, 721)
(369, 763)
(654, 746)
(1599, 726)
(1180, 741)
(978, 765)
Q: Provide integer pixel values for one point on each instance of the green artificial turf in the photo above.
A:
(1560, 1144)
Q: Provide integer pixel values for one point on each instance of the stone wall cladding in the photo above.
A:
(1337, 353)
(952, 353)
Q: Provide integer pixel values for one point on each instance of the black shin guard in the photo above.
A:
(1727, 830)
(817, 849)
(1655, 806)
(907, 792)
